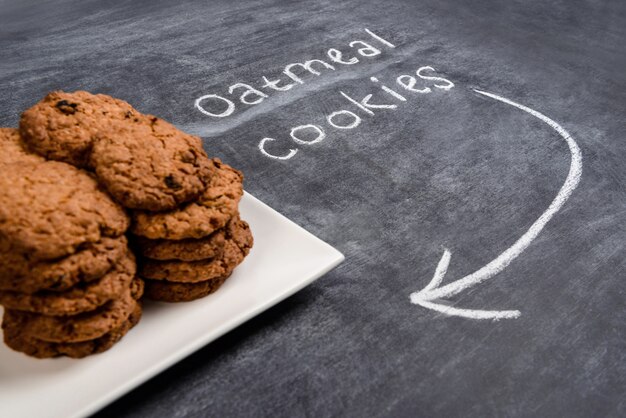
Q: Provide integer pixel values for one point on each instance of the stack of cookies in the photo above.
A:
(188, 252)
(184, 206)
(67, 277)
(78, 171)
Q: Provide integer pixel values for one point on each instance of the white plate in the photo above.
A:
(284, 259)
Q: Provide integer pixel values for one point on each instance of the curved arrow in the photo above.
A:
(430, 295)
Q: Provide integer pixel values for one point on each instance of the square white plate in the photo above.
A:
(285, 258)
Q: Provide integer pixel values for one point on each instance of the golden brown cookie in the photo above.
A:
(200, 218)
(151, 166)
(76, 328)
(193, 271)
(196, 249)
(49, 210)
(184, 250)
(91, 262)
(19, 341)
(63, 126)
(80, 298)
(165, 291)
(13, 149)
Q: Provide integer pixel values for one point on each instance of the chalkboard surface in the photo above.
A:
(478, 193)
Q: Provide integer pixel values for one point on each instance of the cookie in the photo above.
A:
(91, 262)
(165, 291)
(193, 271)
(151, 166)
(13, 150)
(143, 161)
(19, 341)
(77, 328)
(63, 125)
(200, 218)
(81, 298)
(184, 250)
(196, 249)
(49, 210)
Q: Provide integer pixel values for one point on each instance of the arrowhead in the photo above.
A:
(427, 299)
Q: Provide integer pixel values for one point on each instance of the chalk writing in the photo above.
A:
(367, 105)
(219, 106)
(424, 80)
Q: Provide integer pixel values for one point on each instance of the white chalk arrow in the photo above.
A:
(430, 297)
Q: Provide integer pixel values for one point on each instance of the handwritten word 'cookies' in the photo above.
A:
(349, 119)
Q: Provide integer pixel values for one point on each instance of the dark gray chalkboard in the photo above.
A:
(448, 169)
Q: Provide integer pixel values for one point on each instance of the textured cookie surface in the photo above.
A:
(200, 218)
(48, 210)
(77, 328)
(19, 341)
(19, 274)
(239, 232)
(80, 298)
(193, 271)
(165, 291)
(13, 150)
(197, 249)
(151, 166)
(63, 125)
(184, 250)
